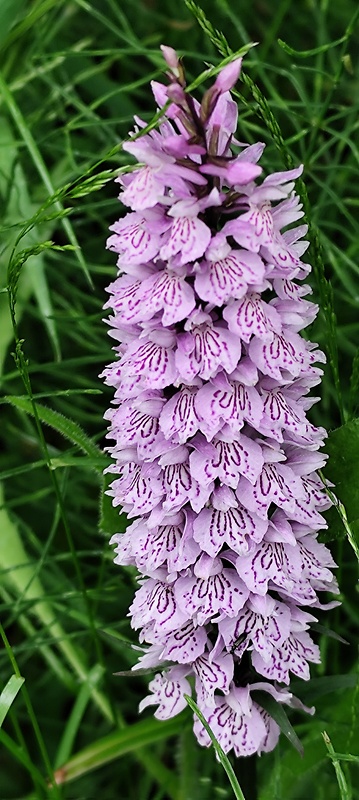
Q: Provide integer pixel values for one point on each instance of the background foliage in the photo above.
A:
(73, 73)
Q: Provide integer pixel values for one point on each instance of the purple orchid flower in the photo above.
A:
(214, 457)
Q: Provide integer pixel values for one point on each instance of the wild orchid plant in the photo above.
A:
(215, 457)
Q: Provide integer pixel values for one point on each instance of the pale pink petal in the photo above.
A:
(252, 316)
(168, 692)
(189, 236)
(156, 601)
(213, 674)
(218, 281)
(203, 351)
(179, 419)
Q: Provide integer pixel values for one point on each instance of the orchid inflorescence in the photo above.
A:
(215, 460)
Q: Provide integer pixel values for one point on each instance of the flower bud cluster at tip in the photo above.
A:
(215, 461)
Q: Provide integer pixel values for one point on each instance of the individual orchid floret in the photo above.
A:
(215, 462)
(189, 235)
(225, 80)
(171, 58)
(168, 693)
(228, 76)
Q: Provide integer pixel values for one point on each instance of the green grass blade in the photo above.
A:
(318, 687)
(315, 50)
(111, 519)
(32, 16)
(345, 792)
(66, 427)
(9, 12)
(42, 169)
(345, 757)
(41, 292)
(75, 718)
(8, 695)
(23, 758)
(354, 386)
(13, 185)
(53, 662)
(30, 710)
(109, 748)
(18, 573)
(222, 758)
(277, 712)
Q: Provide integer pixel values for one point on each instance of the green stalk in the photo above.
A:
(119, 743)
(40, 165)
(18, 574)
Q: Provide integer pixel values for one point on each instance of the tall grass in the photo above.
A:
(72, 75)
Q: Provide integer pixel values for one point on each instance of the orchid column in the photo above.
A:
(215, 458)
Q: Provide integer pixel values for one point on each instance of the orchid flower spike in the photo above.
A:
(214, 459)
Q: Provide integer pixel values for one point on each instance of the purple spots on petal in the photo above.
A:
(179, 419)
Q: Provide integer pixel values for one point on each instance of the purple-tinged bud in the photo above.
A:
(172, 60)
(226, 79)
(170, 56)
(176, 93)
(228, 76)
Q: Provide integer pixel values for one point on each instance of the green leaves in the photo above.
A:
(41, 167)
(117, 744)
(8, 695)
(74, 74)
(277, 712)
(215, 36)
(13, 187)
(15, 266)
(9, 12)
(344, 790)
(111, 519)
(314, 52)
(342, 447)
(66, 427)
(343, 470)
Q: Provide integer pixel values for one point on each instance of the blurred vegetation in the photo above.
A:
(72, 75)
